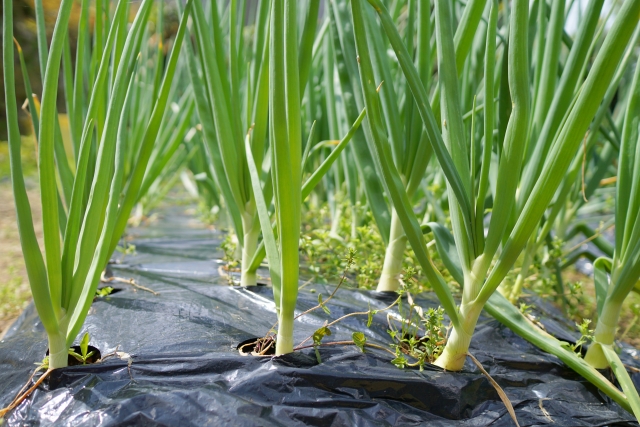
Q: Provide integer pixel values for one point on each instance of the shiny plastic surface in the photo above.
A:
(185, 370)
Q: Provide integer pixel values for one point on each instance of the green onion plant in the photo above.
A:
(286, 154)
(252, 129)
(617, 276)
(230, 97)
(481, 261)
(86, 204)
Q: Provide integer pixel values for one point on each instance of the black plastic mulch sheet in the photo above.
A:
(185, 370)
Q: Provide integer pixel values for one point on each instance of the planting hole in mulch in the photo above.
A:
(106, 291)
(257, 347)
(259, 284)
(386, 296)
(72, 361)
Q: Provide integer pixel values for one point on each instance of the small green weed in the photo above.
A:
(103, 292)
(85, 354)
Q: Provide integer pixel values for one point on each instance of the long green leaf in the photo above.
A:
(268, 236)
(489, 124)
(317, 175)
(422, 102)
(228, 142)
(31, 250)
(286, 156)
(46, 140)
(601, 270)
(505, 312)
(75, 212)
(563, 98)
(453, 132)
(628, 386)
(393, 183)
(79, 307)
(514, 142)
(306, 42)
(347, 68)
(132, 189)
(567, 141)
(446, 246)
(212, 146)
(98, 198)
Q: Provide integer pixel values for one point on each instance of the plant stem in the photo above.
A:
(284, 340)
(604, 334)
(357, 313)
(251, 227)
(379, 347)
(342, 279)
(457, 347)
(58, 351)
(530, 252)
(390, 276)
